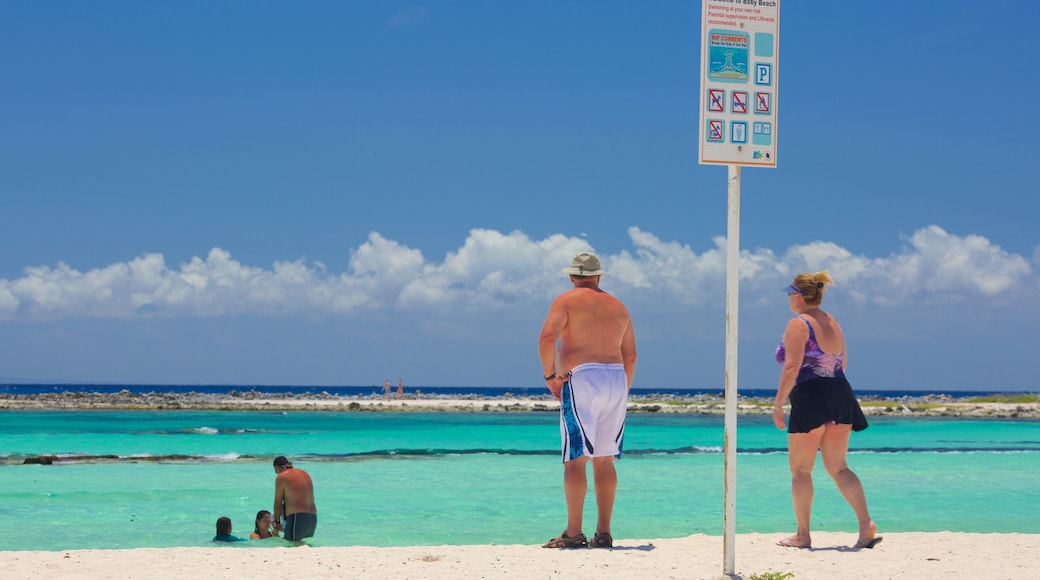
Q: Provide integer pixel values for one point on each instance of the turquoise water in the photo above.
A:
(161, 478)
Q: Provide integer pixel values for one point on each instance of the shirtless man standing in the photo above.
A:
(590, 376)
(293, 501)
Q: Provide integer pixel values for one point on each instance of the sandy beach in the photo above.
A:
(900, 555)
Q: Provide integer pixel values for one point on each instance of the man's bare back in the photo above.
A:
(294, 511)
(293, 491)
(595, 324)
(297, 490)
(592, 326)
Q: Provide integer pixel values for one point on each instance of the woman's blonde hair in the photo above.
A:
(811, 286)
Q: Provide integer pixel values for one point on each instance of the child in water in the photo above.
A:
(224, 531)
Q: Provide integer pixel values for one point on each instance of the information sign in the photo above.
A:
(740, 42)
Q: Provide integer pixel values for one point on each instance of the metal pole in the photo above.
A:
(732, 295)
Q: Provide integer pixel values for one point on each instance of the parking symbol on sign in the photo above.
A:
(763, 73)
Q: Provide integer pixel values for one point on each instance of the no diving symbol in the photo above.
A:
(715, 130)
(739, 102)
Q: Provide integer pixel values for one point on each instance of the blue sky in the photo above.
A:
(335, 193)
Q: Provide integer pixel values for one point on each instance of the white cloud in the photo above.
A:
(499, 274)
(937, 267)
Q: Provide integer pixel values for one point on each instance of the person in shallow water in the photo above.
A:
(262, 528)
(224, 531)
(295, 514)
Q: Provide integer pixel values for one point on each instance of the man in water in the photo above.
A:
(590, 376)
(294, 511)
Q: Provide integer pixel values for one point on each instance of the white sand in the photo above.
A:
(906, 555)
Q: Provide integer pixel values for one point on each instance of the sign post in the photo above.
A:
(740, 42)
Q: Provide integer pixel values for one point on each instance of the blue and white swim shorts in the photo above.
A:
(592, 411)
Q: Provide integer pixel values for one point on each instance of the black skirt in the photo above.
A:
(822, 400)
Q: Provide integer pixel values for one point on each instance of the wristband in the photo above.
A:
(550, 377)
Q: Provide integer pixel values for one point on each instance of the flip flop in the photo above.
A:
(564, 541)
(868, 544)
(786, 542)
(602, 540)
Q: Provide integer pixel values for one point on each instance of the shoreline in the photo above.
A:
(900, 555)
(906, 407)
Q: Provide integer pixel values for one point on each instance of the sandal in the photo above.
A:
(867, 544)
(862, 543)
(565, 541)
(602, 540)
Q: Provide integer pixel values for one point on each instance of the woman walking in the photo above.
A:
(824, 410)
